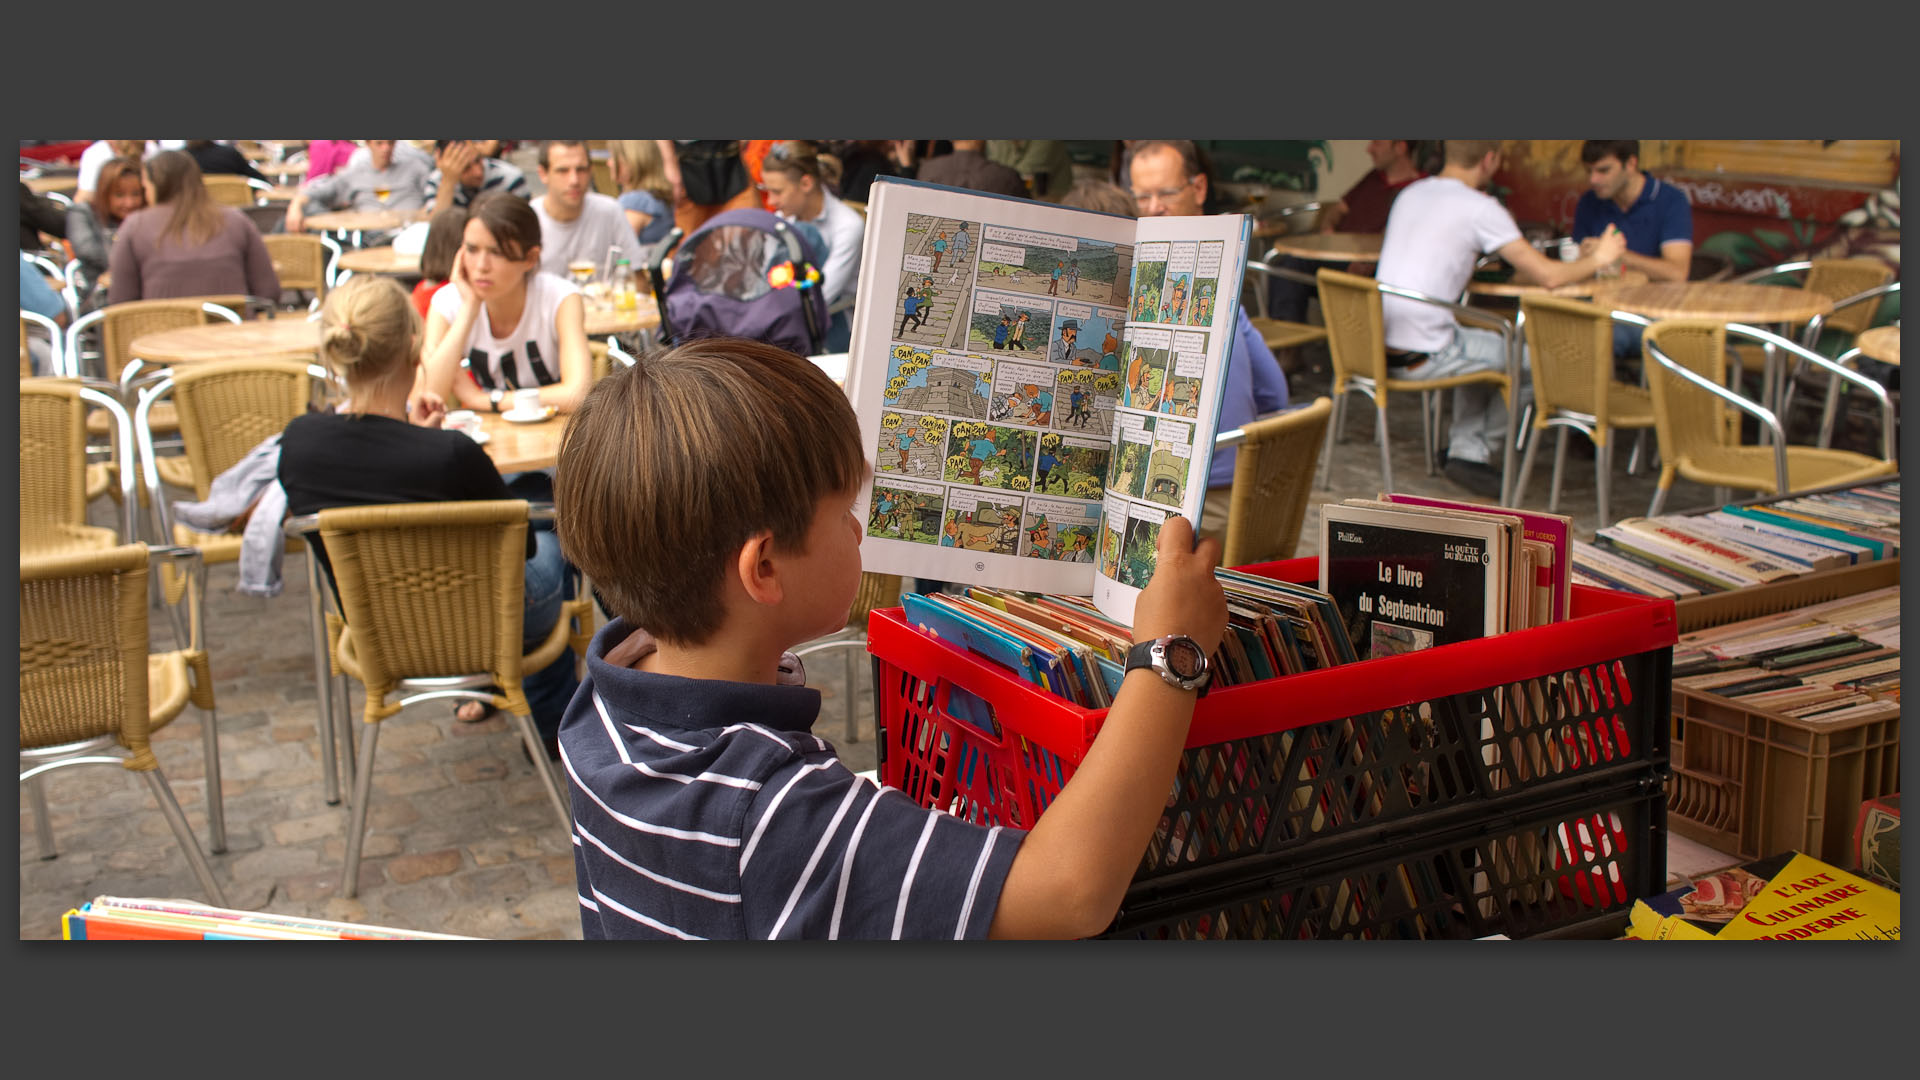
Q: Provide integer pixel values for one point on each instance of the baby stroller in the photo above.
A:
(750, 274)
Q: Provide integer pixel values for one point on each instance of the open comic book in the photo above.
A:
(1039, 386)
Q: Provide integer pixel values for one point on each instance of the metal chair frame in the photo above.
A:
(99, 750)
(1430, 403)
(1766, 416)
(56, 340)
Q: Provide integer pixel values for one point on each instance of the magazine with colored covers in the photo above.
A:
(1039, 386)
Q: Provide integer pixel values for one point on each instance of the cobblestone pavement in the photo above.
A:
(461, 836)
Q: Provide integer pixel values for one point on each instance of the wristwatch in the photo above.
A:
(495, 396)
(1177, 658)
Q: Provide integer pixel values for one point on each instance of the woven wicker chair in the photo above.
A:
(56, 482)
(433, 598)
(1272, 477)
(1279, 334)
(1357, 340)
(301, 262)
(1698, 439)
(121, 324)
(225, 408)
(56, 344)
(1570, 345)
(229, 190)
(1836, 279)
(876, 591)
(89, 684)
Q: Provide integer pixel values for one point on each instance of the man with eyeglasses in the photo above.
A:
(1168, 181)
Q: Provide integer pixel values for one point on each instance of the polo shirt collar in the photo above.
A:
(689, 704)
(1647, 191)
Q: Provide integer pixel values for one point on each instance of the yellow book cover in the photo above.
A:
(1808, 900)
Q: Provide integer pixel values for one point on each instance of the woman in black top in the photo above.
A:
(384, 448)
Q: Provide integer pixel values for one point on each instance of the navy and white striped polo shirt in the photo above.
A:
(709, 809)
(496, 175)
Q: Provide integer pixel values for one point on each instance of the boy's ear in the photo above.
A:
(756, 569)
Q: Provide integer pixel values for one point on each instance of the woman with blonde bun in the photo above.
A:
(386, 445)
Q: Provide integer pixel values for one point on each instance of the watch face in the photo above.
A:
(1184, 658)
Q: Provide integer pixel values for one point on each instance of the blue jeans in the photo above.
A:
(1479, 429)
(1626, 340)
(547, 586)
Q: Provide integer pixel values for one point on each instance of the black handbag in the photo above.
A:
(711, 171)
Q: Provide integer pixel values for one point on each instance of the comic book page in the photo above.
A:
(986, 370)
(1183, 300)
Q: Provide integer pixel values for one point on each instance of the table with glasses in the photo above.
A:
(363, 221)
(282, 168)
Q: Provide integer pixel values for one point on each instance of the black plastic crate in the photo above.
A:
(1550, 871)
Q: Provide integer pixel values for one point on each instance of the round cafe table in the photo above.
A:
(603, 320)
(1337, 247)
(1726, 302)
(1881, 343)
(290, 337)
(282, 168)
(1574, 290)
(362, 220)
(380, 260)
(522, 447)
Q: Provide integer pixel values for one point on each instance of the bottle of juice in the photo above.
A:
(626, 296)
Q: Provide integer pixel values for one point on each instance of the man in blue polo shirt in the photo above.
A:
(1655, 217)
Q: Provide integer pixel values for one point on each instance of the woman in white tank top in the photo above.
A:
(500, 324)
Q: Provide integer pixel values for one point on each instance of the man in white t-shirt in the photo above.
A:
(1438, 229)
(577, 222)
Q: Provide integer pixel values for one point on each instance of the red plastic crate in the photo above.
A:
(1429, 738)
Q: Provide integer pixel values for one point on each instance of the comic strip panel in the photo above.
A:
(1141, 549)
(1177, 292)
(1022, 394)
(989, 455)
(1206, 283)
(1071, 466)
(1044, 264)
(1127, 472)
(1060, 531)
(978, 521)
(1086, 336)
(939, 382)
(936, 275)
(1113, 524)
(1183, 383)
(911, 444)
(1148, 273)
(1148, 352)
(1167, 465)
(905, 510)
(1084, 399)
(1009, 323)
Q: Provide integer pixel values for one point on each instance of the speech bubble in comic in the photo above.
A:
(1071, 466)
(1003, 253)
(991, 455)
(1029, 238)
(906, 510)
(1060, 531)
(1189, 354)
(1147, 337)
(918, 264)
(981, 522)
(1180, 258)
(1207, 265)
(911, 444)
(1073, 311)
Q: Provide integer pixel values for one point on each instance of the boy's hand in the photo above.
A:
(1184, 597)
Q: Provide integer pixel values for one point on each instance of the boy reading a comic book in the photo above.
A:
(703, 804)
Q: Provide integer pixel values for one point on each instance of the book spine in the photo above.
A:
(1676, 558)
(1801, 523)
(1747, 562)
(1613, 565)
(1825, 556)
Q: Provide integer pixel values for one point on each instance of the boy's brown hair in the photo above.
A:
(1466, 153)
(669, 466)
